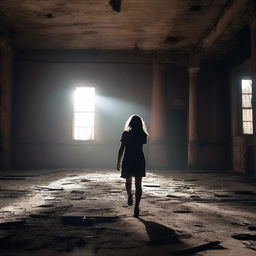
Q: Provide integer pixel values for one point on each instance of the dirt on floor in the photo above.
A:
(85, 212)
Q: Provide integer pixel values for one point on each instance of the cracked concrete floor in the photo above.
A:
(84, 212)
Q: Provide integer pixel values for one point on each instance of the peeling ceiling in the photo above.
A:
(109, 25)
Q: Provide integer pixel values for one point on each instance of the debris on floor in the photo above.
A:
(204, 247)
(85, 212)
(245, 237)
(151, 186)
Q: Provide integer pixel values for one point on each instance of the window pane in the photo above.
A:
(83, 133)
(84, 119)
(247, 114)
(247, 128)
(84, 104)
(246, 86)
(84, 99)
(246, 100)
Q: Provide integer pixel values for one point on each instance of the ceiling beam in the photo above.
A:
(231, 11)
(90, 56)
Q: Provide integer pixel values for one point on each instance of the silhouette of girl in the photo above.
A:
(133, 164)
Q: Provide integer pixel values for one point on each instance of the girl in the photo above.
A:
(133, 164)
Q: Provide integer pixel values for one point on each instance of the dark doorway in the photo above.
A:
(177, 138)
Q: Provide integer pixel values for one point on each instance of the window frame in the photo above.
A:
(241, 107)
(83, 84)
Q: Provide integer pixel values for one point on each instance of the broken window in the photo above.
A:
(83, 116)
(247, 115)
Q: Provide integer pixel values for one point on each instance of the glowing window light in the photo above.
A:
(247, 117)
(83, 120)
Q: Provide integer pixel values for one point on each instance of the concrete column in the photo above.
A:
(158, 153)
(6, 67)
(253, 58)
(193, 142)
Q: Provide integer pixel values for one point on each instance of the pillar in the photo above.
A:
(158, 150)
(6, 66)
(193, 136)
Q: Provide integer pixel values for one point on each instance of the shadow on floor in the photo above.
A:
(159, 234)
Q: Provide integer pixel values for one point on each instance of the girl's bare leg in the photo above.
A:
(128, 185)
(138, 194)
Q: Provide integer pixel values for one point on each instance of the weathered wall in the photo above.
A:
(241, 143)
(177, 93)
(214, 118)
(6, 73)
(42, 121)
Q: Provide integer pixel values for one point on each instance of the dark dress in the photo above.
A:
(134, 161)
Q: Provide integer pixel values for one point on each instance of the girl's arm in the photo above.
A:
(120, 154)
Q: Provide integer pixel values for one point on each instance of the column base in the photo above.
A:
(193, 148)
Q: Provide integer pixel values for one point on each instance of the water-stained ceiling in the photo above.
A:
(111, 25)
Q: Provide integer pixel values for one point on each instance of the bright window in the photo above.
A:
(247, 116)
(83, 120)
